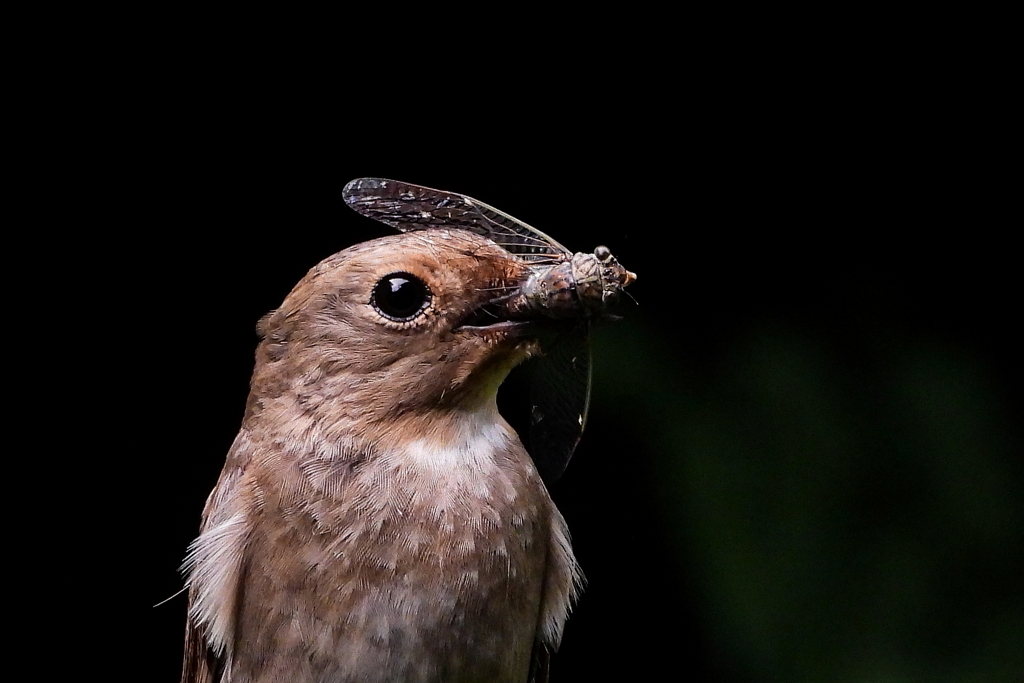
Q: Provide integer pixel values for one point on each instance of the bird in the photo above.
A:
(377, 519)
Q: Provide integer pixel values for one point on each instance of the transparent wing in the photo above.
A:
(559, 401)
(412, 207)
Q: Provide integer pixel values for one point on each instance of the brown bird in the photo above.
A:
(376, 519)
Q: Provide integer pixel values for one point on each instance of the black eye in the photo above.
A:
(400, 296)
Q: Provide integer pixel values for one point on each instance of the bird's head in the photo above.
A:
(401, 324)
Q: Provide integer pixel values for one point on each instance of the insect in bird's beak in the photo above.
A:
(575, 288)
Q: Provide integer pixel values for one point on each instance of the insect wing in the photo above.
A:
(559, 401)
(412, 207)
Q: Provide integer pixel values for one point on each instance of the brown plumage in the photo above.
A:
(376, 519)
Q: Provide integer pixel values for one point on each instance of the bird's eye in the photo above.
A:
(400, 296)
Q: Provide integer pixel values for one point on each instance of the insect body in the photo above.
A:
(585, 284)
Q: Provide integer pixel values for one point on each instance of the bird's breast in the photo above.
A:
(427, 558)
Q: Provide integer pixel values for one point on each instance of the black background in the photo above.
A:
(803, 456)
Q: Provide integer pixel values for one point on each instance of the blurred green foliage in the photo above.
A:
(850, 510)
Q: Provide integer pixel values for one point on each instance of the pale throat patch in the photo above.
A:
(470, 446)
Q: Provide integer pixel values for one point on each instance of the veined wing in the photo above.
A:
(559, 401)
(412, 207)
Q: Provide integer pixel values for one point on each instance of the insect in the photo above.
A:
(562, 285)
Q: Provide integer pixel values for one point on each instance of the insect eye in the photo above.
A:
(400, 296)
(602, 253)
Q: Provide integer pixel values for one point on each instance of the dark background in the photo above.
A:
(803, 460)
